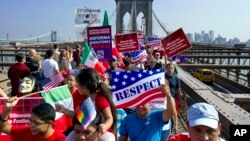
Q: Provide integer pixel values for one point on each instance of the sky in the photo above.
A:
(21, 19)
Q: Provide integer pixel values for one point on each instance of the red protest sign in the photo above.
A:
(127, 42)
(175, 43)
(21, 113)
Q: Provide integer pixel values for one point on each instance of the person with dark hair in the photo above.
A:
(77, 56)
(146, 125)
(49, 65)
(91, 133)
(175, 89)
(127, 64)
(89, 84)
(16, 72)
(113, 64)
(40, 127)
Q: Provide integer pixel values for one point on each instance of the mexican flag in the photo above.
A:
(105, 19)
(118, 57)
(90, 60)
(60, 95)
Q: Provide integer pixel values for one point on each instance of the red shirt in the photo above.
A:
(23, 133)
(180, 137)
(100, 101)
(15, 73)
(185, 137)
(76, 54)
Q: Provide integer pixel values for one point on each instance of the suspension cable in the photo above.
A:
(160, 22)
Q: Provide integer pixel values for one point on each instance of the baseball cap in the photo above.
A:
(65, 73)
(202, 114)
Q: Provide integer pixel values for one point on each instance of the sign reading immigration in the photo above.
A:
(175, 43)
(127, 42)
(134, 88)
(100, 39)
(87, 15)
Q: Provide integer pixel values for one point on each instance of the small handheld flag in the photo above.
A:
(90, 60)
(51, 82)
(86, 113)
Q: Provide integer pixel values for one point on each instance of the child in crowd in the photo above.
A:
(66, 121)
(91, 133)
(89, 84)
(69, 79)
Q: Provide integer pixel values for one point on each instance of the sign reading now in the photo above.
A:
(175, 43)
(127, 42)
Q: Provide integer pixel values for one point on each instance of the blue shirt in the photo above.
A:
(174, 84)
(143, 129)
(121, 114)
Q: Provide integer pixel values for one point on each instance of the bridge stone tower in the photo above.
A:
(134, 7)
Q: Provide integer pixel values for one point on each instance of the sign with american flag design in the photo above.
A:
(134, 88)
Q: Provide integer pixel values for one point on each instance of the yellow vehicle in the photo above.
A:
(204, 75)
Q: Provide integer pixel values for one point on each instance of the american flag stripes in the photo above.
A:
(51, 82)
(135, 88)
(137, 56)
(154, 42)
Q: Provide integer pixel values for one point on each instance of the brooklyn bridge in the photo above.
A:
(229, 93)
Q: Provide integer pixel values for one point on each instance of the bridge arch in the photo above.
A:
(137, 6)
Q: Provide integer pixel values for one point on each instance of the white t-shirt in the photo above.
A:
(56, 55)
(49, 67)
(107, 136)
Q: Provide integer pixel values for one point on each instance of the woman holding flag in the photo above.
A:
(89, 84)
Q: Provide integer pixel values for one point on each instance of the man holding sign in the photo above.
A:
(145, 125)
(40, 127)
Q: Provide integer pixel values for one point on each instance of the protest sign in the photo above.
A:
(127, 42)
(134, 88)
(175, 43)
(21, 113)
(100, 39)
(87, 15)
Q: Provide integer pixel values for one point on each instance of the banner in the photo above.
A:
(21, 113)
(175, 43)
(134, 88)
(154, 42)
(100, 39)
(127, 42)
(87, 15)
(137, 56)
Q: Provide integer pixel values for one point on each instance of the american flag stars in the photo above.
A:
(125, 79)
